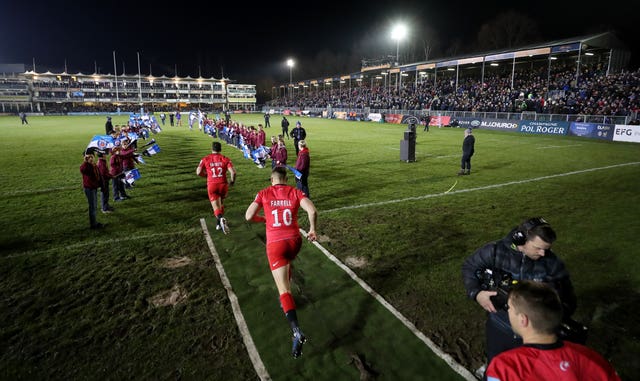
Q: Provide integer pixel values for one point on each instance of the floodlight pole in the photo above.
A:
(398, 33)
(139, 79)
(290, 64)
(115, 76)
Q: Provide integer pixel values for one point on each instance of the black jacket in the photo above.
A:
(503, 255)
(298, 133)
(468, 145)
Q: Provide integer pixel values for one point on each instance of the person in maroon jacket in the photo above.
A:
(302, 165)
(127, 153)
(128, 158)
(535, 314)
(91, 183)
(261, 136)
(280, 156)
(105, 177)
(117, 174)
(272, 151)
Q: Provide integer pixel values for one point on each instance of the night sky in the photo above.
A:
(250, 43)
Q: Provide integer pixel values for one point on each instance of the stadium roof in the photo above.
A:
(606, 40)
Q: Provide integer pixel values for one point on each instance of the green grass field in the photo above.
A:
(79, 304)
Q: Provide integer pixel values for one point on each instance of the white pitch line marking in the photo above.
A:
(102, 242)
(417, 198)
(258, 365)
(444, 356)
(569, 145)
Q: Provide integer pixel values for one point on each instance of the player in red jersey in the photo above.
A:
(215, 167)
(281, 203)
(535, 313)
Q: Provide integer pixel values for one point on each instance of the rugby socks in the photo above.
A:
(289, 308)
(218, 215)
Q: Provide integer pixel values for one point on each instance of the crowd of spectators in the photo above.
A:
(595, 93)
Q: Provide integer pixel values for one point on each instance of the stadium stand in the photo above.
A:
(580, 79)
(61, 93)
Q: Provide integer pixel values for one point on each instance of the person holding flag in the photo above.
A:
(117, 174)
(105, 177)
(281, 203)
(215, 167)
(90, 184)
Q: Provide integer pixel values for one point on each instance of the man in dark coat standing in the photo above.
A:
(467, 151)
(108, 126)
(285, 127)
(298, 134)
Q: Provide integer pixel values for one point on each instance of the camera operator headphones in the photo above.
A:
(519, 237)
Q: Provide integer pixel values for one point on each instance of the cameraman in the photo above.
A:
(524, 254)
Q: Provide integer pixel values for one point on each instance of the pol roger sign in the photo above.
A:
(544, 127)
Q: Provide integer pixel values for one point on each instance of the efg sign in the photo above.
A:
(544, 127)
(624, 133)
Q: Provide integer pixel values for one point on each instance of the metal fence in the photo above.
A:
(604, 119)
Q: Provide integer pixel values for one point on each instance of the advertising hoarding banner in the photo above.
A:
(592, 130)
(544, 127)
(625, 133)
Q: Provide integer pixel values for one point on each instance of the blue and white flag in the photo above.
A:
(132, 136)
(154, 149)
(245, 151)
(295, 172)
(259, 153)
(101, 142)
(131, 176)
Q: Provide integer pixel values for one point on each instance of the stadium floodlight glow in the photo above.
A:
(398, 33)
(290, 63)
